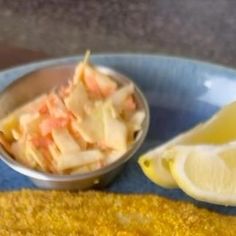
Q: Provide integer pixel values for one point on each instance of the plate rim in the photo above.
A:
(72, 58)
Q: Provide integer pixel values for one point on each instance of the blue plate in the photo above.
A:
(180, 92)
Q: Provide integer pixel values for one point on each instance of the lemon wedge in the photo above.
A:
(219, 129)
(205, 172)
(156, 168)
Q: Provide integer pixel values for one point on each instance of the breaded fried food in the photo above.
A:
(32, 212)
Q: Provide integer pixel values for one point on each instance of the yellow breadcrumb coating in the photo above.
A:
(33, 212)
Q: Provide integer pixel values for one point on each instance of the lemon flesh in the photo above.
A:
(219, 129)
(157, 170)
(205, 172)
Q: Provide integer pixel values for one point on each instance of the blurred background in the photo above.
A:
(38, 29)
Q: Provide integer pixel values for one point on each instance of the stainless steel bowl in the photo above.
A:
(43, 80)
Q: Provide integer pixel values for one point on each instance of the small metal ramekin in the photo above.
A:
(43, 80)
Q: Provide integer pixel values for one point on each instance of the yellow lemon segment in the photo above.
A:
(219, 129)
(157, 170)
(205, 172)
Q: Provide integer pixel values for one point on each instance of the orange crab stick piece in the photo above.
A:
(51, 123)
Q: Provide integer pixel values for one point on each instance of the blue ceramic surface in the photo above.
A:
(180, 92)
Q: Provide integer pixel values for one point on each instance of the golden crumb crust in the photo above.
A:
(33, 212)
